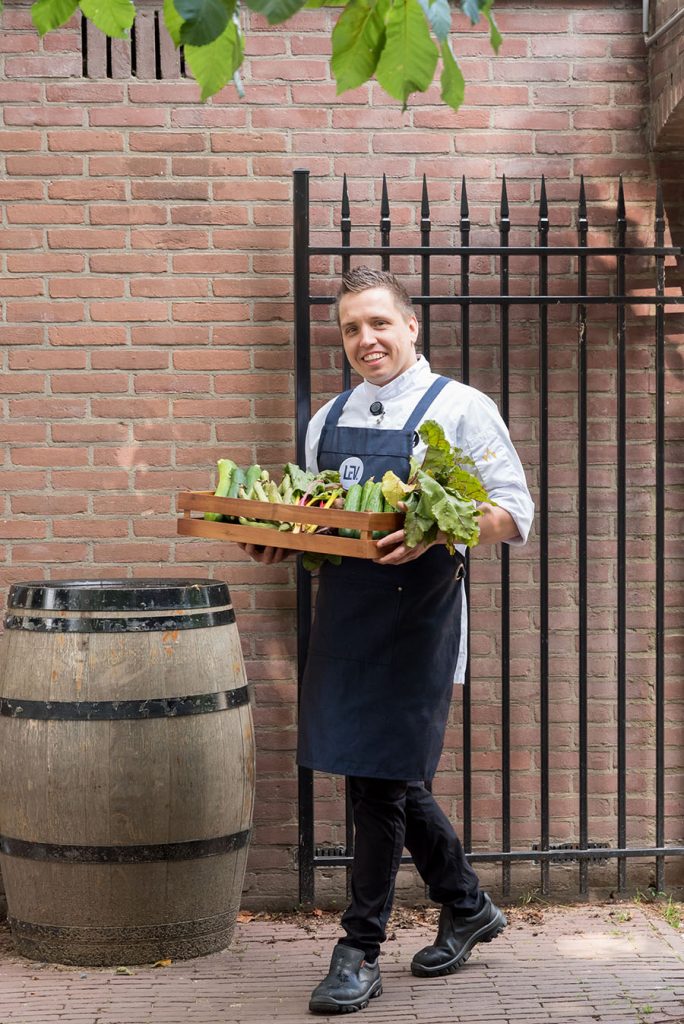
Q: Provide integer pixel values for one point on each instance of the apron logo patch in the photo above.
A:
(351, 471)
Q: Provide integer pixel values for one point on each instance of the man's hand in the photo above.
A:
(394, 551)
(267, 556)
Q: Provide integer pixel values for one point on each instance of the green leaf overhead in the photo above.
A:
(452, 80)
(357, 42)
(203, 20)
(471, 8)
(408, 60)
(276, 10)
(439, 16)
(173, 21)
(397, 41)
(215, 64)
(495, 37)
(49, 14)
(113, 17)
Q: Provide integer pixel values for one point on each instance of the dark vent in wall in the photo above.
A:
(147, 54)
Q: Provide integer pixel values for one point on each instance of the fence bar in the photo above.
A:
(621, 551)
(660, 543)
(532, 300)
(302, 330)
(543, 232)
(425, 227)
(492, 250)
(543, 856)
(345, 234)
(582, 416)
(504, 232)
(464, 227)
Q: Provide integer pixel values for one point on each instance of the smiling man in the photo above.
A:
(388, 640)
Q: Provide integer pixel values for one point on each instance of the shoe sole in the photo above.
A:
(493, 930)
(333, 1007)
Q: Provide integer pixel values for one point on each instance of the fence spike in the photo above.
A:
(621, 209)
(385, 223)
(384, 206)
(504, 214)
(425, 224)
(465, 212)
(543, 207)
(583, 221)
(345, 199)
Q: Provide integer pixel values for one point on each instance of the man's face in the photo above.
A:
(380, 342)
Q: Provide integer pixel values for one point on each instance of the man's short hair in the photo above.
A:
(360, 279)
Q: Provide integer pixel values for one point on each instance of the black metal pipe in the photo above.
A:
(302, 332)
(621, 552)
(467, 759)
(660, 541)
(543, 275)
(425, 227)
(582, 426)
(504, 282)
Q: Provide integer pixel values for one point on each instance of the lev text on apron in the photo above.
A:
(384, 641)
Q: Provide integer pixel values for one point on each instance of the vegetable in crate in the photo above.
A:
(226, 470)
(440, 493)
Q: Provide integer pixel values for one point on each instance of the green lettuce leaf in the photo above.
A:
(394, 489)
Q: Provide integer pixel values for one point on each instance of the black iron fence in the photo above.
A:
(577, 292)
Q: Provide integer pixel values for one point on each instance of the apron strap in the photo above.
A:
(334, 413)
(425, 403)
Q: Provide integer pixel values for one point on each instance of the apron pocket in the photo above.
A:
(356, 619)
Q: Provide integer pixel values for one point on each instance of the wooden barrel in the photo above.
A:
(126, 769)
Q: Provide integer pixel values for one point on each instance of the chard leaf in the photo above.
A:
(301, 480)
(466, 485)
(394, 489)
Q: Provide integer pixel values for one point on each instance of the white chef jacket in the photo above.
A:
(470, 421)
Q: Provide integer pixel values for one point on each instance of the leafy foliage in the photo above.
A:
(441, 495)
(391, 39)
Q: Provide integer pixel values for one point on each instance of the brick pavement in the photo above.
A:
(561, 965)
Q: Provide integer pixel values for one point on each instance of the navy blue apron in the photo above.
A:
(384, 641)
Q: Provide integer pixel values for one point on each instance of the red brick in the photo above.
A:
(46, 359)
(176, 384)
(50, 552)
(87, 335)
(134, 213)
(169, 238)
(39, 164)
(89, 383)
(44, 312)
(128, 263)
(167, 142)
(120, 116)
(10, 190)
(129, 310)
(212, 359)
(50, 456)
(210, 311)
(85, 287)
(85, 191)
(157, 287)
(87, 238)
(44, 116)
(84, 142)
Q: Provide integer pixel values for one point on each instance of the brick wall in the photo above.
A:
(146, 329)
(666, 64)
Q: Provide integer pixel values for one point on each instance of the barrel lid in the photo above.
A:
(112, 595)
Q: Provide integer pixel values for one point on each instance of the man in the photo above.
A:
(388, 640)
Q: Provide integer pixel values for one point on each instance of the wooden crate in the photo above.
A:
(365, 522)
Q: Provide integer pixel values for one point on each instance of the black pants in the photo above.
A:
(388, 816)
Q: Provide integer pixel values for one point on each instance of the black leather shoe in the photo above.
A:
(350, 984)
(456, 937)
